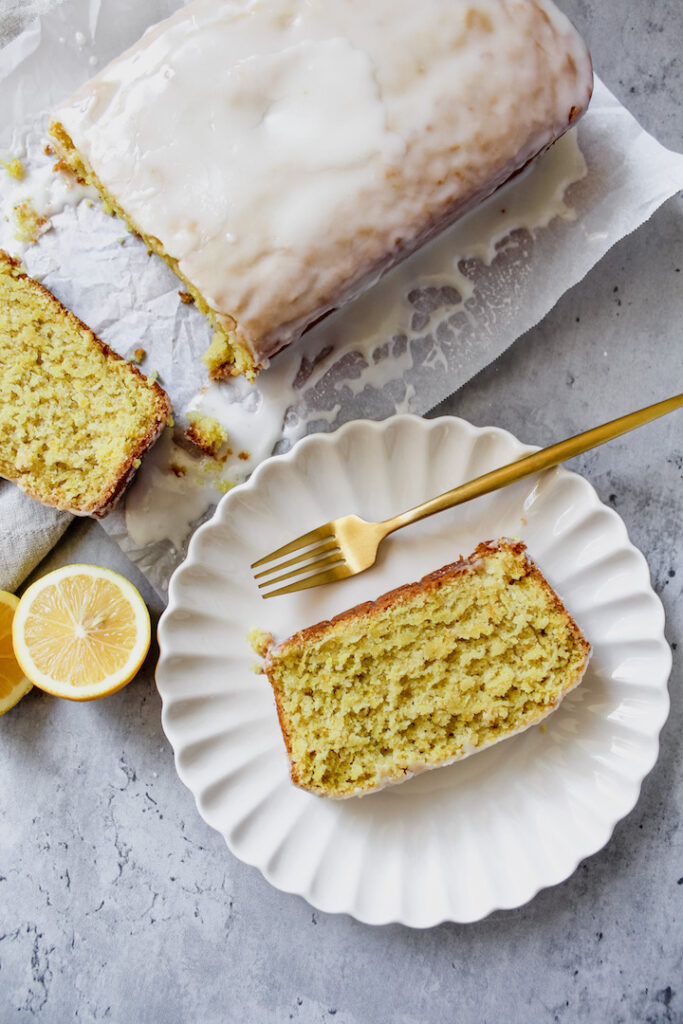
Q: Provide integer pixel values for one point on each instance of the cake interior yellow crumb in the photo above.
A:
(14, 168)
(218, 353)
(426, 680)
(30, 225)
(71, 417)
(206, 432)
(259, 640)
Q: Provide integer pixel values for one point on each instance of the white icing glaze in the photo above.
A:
(46, 193)
(161, 505)
(287, 152)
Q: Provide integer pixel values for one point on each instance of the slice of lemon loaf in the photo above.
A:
(75, 418)
(425, 675)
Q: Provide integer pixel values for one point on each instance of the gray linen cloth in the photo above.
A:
(27, 532)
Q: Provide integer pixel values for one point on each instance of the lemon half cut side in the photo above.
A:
(81, 632)
(13, 683)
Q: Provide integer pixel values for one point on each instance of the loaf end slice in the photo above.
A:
(75, 418)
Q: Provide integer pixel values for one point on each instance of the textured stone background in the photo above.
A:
(118, 903)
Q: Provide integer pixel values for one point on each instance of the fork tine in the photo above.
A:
(339, 572)
(311, 553)
(321, 564)
(321, 533)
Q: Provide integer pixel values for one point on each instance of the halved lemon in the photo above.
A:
(13, 683)
(81, 632)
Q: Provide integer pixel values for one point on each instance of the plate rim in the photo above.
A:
(332, 438)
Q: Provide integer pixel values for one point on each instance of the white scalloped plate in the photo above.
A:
(452, 844)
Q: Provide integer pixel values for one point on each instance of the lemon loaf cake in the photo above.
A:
(75, 418)
(425, 675)
(282, 155)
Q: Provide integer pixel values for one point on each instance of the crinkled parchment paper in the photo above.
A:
(420, 333)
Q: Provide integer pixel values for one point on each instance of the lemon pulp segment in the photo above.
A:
(81, 630)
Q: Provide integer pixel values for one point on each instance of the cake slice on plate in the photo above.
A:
(426, 674)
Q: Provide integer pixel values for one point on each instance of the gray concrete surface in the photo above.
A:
(118, 903)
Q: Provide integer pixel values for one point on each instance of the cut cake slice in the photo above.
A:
(425, 675)
(75, 418)
(281, 156)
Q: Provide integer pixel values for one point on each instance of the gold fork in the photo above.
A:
(344, 547)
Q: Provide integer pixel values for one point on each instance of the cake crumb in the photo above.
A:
(243, 456)
(205, 432)
(30, 224)
(62, 167)
(23, 461)
(224, 486)
(259, 641)
(178, 470)
(217, 354)
(186, 298)
(138, 356)
(14, 168)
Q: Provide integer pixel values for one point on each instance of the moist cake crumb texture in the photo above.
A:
(30, 225)
(427, 674)
(75, 418)
(14, 168)
(205, 432)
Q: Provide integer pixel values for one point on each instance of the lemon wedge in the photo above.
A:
(13, 683)
(81, 632)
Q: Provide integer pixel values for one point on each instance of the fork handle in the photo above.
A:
(543, 459)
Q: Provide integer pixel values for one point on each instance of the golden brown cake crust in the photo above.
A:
(115, 487)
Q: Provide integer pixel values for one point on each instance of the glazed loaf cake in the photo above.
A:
(75, 418)
(425, 675)
(282, 155)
